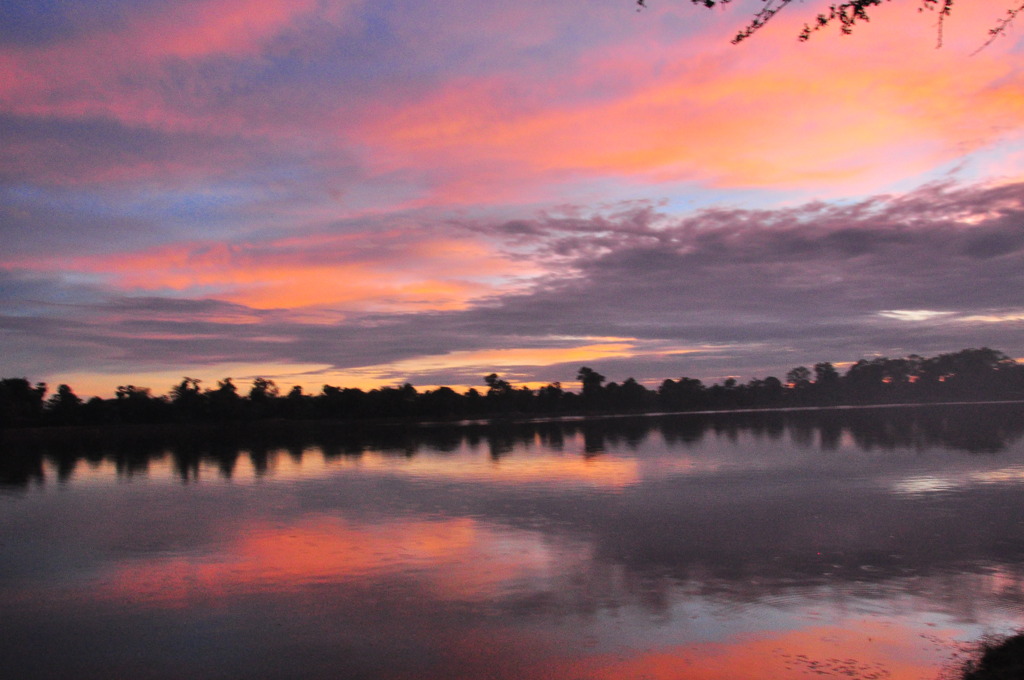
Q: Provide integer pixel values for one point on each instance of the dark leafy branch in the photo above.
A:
(1002, 26)
(848, 14)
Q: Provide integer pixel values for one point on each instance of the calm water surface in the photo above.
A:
(852, 544)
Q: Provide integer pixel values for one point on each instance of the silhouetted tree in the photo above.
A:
(262, 396)
(762, 393)
(682, 395)
(188, 400)
(263, 390)
(633, 397)
(64, 407)
(444, 402)
(825, 374)
(496, 387)
(773, 389)
(138, 405)
(338, 402)
(20, 403)
(296, 404)
(799, 377)
(724, 396)
(474, 402)
(523, 400)
(549, 398)
(499, 394)
(971, 373)
(225, 404)
(591, 382)
(96, 411)
(392, 402)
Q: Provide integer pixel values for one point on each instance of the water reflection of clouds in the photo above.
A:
(536, 468)
(473, 600)
(732, 555)
(944, 482)
(924, 484)
(448, 560)
(864, 649)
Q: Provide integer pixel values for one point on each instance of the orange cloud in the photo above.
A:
(518, 356)
(501, 360)
(393, 271)
(312, 376)
(834, 113)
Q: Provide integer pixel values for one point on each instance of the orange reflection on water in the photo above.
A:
(536, 469)
(868, 650)
(452, 559)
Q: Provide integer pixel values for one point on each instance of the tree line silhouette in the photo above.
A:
(967, 375)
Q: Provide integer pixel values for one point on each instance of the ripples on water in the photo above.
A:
(847, 544)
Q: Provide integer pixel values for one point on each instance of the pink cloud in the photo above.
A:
(118, 71)
(234, 27)
(836, 114)
(393, 270)
(639, 104)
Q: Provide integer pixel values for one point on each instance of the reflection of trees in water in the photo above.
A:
(785, 538)
(972, 428)
(975, 428)
(20, 469)
(551, 435)
(798, 536)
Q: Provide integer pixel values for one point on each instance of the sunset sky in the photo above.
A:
(369, 193)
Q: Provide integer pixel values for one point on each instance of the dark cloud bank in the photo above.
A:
(755, 292)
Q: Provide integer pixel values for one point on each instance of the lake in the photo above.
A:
(856, 543)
